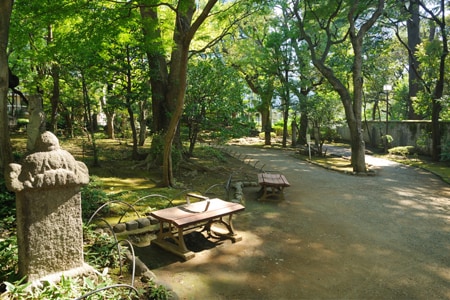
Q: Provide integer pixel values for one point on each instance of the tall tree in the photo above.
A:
(5, 144)
(413, 27)
(249, 52)
(168, 77)
(330, 24)
(214, 98)
(281, 41)
(169, 86)
(436, 12)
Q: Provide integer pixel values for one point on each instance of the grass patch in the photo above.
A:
(334, 163)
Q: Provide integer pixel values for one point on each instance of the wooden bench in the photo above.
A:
(272, 184)
(178, 220)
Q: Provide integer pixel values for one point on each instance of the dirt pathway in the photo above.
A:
(336, 236)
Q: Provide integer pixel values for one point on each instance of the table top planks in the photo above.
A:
(188, 214)
(272, 179)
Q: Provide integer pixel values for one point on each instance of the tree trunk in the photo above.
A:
(352, 102)
(5, 144)
(142, 122)
(354, 117)
(266, 124)
(437, 106)
(168, 89)
(413, 27)
(110, 125)
(177, 82)
(108, 111)
(88, 120)
(303, 127)
(158, 67)
(440, 84)
(285, 119)
(129, 101)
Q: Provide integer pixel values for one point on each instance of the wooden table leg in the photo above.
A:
(229, 226)
(178, 247)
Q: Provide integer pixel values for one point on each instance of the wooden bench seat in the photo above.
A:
(272, 184)
(176, 221)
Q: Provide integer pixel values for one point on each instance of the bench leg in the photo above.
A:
(229, 226)
(276, 191)
(263, 193)
(178, 247)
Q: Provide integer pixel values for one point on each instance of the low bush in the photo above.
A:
(445, 152)
(402, 150)
(92, 197)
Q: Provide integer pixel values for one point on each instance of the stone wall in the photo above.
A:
(404, 133)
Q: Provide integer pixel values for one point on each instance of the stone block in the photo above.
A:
(121, 227)
(143, 222)
(153, 220)
(132, 225)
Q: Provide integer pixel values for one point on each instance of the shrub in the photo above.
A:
(272, 135)
(445, 152)
(100, 250)
(9, 258)
(7, 201)
(92, 197)
(402, 150)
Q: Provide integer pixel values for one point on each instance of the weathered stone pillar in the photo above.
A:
(48, 201)
(36, 124)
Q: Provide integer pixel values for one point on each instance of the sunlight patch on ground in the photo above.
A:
(120, 184)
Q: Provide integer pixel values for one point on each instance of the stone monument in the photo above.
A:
(36, 124)
(48, 201)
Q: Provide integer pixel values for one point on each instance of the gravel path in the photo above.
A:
(336, 236)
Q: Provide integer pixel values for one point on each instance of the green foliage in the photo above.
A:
(157, 292)
(278, 129)
(445, 151)
(68, 288)
(234, 130)
(100, 249)
(263, 134)
(212, 152)
(212, 104)
(8, 240)
(92, 197)
(8, 258)
(329, 134)
(7, 203)
(402, 150)
(157, 149)
(387, 138)
(423, 141)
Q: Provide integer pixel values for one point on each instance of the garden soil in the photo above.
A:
(336, 236)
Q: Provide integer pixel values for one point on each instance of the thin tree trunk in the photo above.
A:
(5, 144)
(142, 122)
(135, 153)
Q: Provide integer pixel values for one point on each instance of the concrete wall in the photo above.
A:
(404, 133)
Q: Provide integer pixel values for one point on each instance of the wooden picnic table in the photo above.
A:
(272, 184)
(178, 220)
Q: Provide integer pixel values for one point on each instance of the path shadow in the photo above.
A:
(155, 257)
